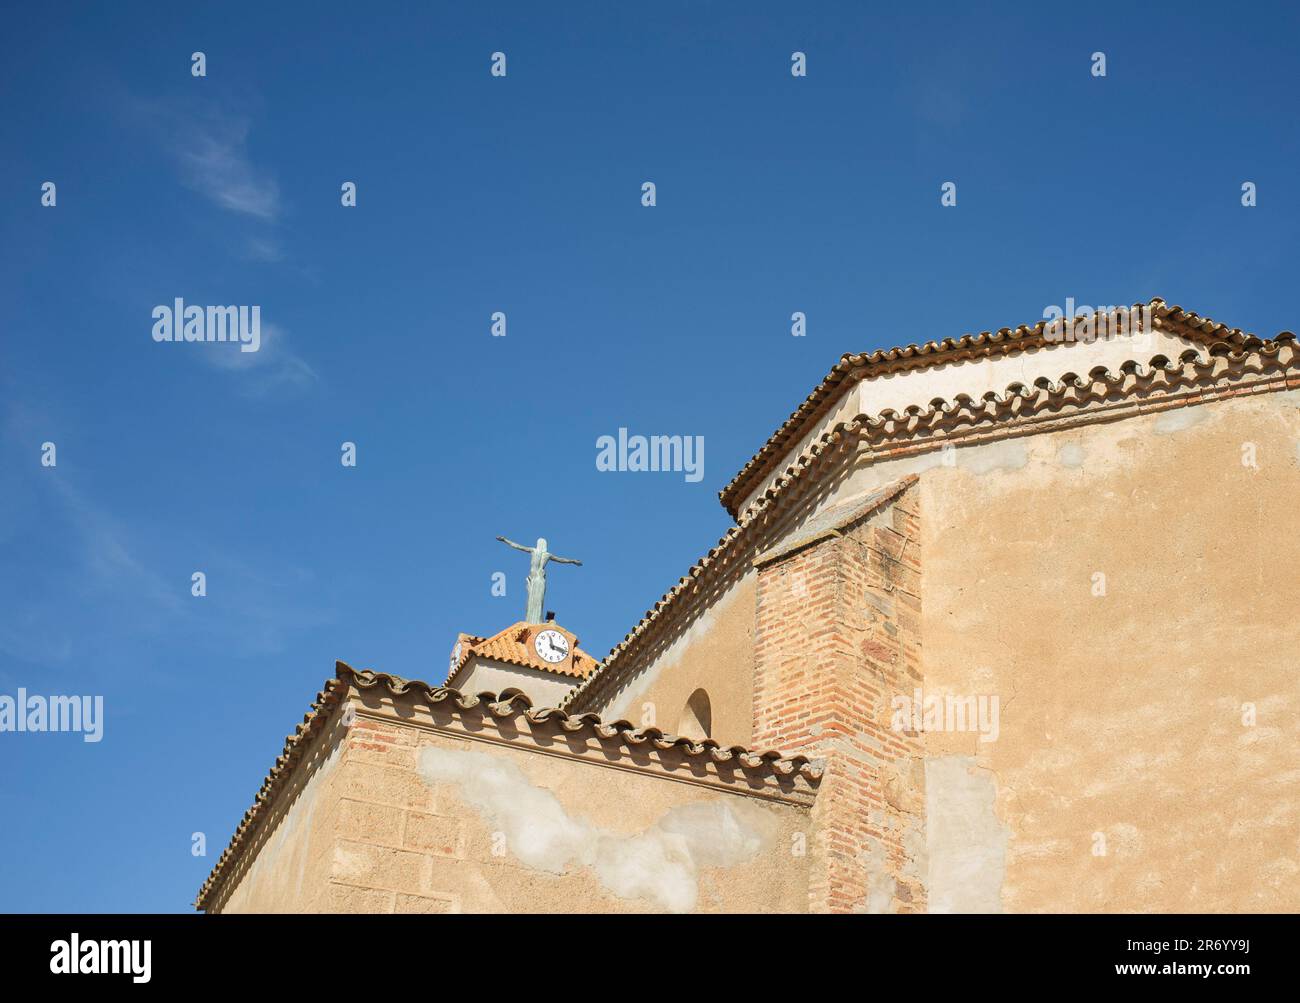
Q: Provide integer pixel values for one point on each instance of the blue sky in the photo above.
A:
(519, 194)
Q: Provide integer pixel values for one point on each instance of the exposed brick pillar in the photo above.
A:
(838, 637)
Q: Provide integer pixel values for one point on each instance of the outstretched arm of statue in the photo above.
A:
(511, 543)
(565, 560)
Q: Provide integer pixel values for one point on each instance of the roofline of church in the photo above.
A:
(853, 368)
(1102, 395)
(786, 770)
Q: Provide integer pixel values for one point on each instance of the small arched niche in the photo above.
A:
(696, 721)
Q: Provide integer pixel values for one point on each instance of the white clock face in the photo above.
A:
(551, 646)
(455, 655)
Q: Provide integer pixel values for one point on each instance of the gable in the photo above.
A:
(515, 646)
(915, 376)
(1195, 362)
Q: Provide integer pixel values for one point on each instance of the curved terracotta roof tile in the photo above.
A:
(1240, 354)
(853, 367)
(514, 703)
(512, 646)
(507, 704)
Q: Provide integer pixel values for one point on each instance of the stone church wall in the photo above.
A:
(1127, 592)
(448, 810)
(1108, 645)
(1056, 673)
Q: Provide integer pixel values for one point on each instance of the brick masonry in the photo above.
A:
(837, 638)
(390, 835)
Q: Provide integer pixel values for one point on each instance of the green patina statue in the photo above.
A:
(537, 575)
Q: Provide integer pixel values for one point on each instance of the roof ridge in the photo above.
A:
(512, 703)
(848, 369)
(881, 428)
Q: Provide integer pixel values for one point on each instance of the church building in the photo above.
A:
(1003, 623)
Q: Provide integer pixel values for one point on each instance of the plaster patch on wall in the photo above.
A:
(917, 865)
(880, 884)
(893, 884)
(966, 843)
(871, 473)
(661, 864)
(1182, 418)
(915, 465)
(1070, 455)
(1009, 454)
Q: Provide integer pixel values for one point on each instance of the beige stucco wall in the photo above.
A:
(1147, 755)
(290, 857)
(477, 815)
(715, 653)
(1121, 715)
(540, 834)
(1120, 592)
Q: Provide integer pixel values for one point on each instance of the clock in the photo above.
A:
(455, 656)
(551, 646)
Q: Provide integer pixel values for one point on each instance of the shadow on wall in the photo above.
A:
(696, 722)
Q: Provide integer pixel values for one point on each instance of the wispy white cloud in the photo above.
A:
(264, 249)
(273, 367)
(104, 583)
(210, 148)
(215, 163)
(109, 561)
(90, 582)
